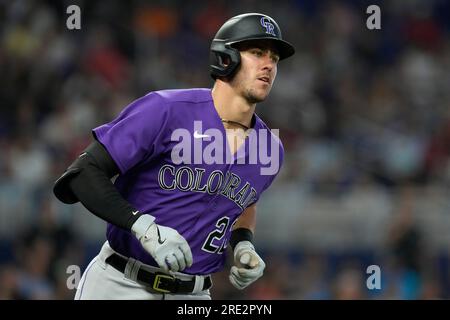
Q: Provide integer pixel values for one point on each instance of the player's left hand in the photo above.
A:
(248, 265)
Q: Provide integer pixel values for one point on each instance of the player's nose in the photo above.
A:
(268, 62)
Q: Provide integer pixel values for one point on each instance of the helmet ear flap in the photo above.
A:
(224, 59)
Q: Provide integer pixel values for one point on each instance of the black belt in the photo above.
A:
(160, 282)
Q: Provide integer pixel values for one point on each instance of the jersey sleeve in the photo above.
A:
(137, 134)
(272, 177)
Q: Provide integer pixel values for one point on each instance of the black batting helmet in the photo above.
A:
(244, 27)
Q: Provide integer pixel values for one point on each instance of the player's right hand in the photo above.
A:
(169, 249)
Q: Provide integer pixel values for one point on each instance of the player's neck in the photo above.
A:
(230, 105)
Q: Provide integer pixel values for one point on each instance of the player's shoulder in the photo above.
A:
(167, 103)
(187, 96)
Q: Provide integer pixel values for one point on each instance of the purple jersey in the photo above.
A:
(199, 199)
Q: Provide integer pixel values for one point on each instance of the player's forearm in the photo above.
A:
(98, 194)
(247, 219)
(244, 227)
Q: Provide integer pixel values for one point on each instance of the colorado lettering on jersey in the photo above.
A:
(229, 185)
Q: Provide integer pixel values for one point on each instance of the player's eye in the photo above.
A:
(275, 58)
(257, 52)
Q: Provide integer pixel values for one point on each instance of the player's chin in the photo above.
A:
(257, 94)
(261, 94)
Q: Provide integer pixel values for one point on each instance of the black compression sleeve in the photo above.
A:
(93, 187)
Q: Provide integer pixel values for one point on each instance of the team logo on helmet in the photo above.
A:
(265, 22)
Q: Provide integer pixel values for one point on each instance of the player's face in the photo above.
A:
(257, 71)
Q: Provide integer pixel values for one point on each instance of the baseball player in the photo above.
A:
(174, 207)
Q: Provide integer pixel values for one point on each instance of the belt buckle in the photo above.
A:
(157, 282)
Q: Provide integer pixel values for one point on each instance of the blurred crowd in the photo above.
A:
(364, 116)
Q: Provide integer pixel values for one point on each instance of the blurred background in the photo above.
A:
(364, 116)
